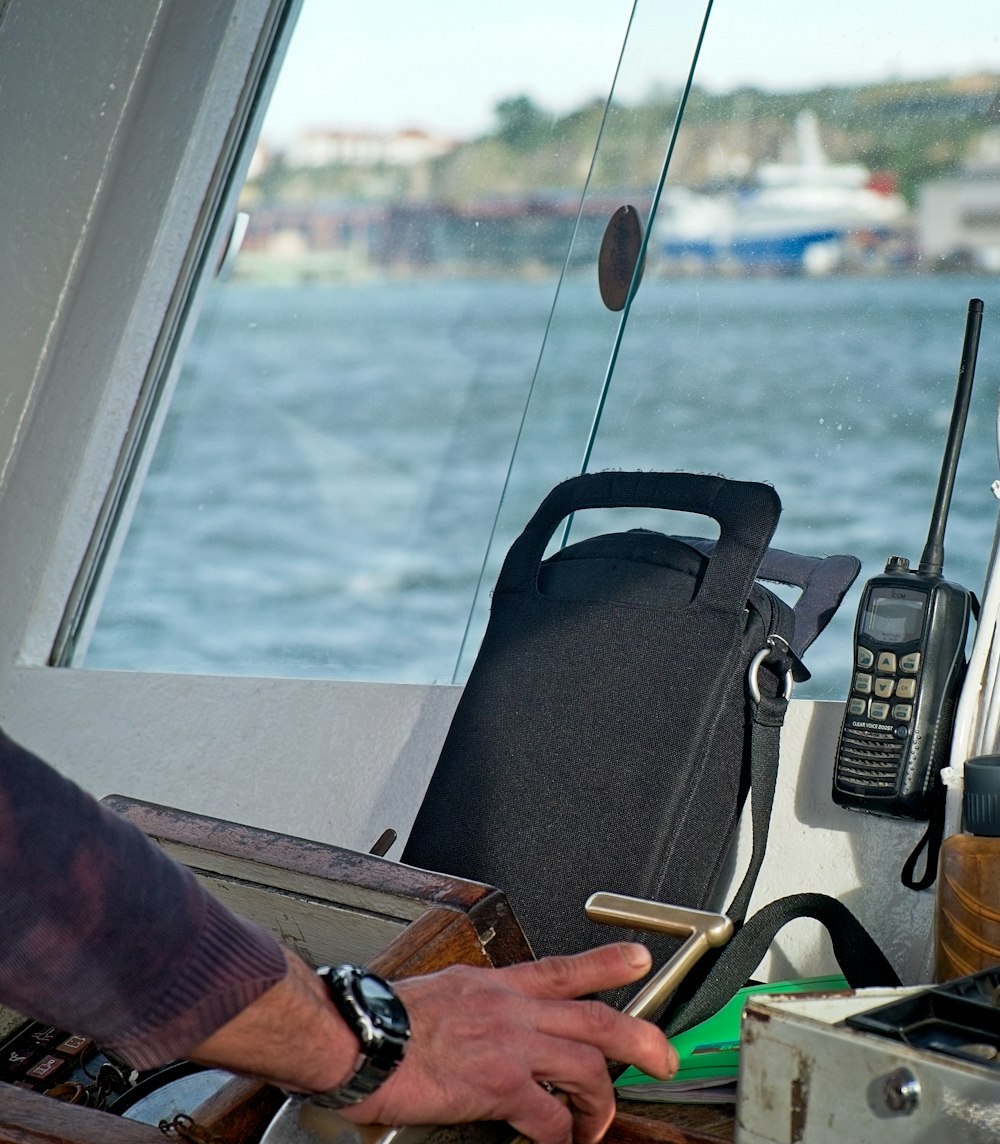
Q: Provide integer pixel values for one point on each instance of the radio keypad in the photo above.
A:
(881, 695)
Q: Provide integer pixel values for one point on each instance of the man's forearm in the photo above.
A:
(106, 935)
(291, 1036)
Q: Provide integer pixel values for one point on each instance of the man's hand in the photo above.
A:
(485, 1041)
(483, 1044)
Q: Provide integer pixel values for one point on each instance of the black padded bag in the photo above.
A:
(603, 740)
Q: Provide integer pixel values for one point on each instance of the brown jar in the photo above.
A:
(967, 922)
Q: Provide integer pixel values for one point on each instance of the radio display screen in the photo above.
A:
(894, 615)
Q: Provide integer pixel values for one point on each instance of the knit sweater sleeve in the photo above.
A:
(103, 934)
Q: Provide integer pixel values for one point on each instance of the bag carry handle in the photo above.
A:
(747, 513)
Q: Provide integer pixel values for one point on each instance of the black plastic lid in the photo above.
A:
(981, 805)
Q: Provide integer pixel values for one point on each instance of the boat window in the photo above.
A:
(411, 346)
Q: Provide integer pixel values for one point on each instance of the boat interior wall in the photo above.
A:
(336, 762)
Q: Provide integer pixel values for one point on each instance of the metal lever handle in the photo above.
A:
(703, 930)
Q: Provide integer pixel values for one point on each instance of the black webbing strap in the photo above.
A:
(765, 739)
(767, 715)
(859, 957)
(933, 836)
(720, 974)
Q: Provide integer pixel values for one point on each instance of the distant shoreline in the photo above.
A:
(326, 269)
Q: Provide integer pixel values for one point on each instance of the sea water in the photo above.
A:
(337, 458)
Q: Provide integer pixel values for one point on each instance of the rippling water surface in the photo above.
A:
(332, 465)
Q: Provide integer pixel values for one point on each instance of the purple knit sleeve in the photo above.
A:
(103, 934)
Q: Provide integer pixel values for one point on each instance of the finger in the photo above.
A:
(618, 1037)
(579, 1074)
(606, 967)
(546, 1119)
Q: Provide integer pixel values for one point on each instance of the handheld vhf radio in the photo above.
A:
(909, 656)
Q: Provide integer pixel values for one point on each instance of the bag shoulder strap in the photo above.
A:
(824, 581)
(767, 715)
(857, 953)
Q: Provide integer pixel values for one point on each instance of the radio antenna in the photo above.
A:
(932, 560)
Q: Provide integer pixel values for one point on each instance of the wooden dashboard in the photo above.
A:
(330, 905)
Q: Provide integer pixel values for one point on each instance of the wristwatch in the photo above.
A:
(375, 1015)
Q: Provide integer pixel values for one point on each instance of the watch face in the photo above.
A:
(381, 1002)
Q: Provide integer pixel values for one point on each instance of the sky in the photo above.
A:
(442, 65)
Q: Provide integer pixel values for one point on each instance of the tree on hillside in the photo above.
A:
(521, 123)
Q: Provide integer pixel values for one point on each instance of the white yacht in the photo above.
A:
(795, 217)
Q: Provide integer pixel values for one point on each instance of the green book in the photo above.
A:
(710, 1052)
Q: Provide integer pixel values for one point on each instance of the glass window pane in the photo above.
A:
(830, 204)
(324, 488)
(830, 207)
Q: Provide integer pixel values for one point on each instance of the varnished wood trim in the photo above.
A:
(240, 1111)
(30, 1118)
(361, 881)
(629, 1128)
(673, 1124)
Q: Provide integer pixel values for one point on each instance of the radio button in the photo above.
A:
(910, 663)
(863, 683)
(886, 661)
